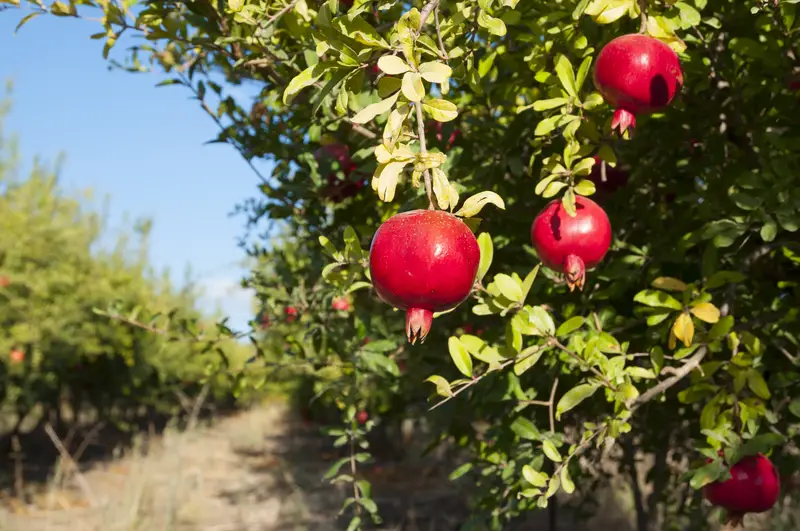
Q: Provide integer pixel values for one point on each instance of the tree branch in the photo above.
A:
(680, 373)
(427, 9)
(424, 149)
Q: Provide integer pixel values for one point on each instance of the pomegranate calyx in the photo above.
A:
(418, 324)
(623, 120)
(575, 272)
(734, 520)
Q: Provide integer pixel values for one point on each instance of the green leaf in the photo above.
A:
(583, 71)
(525, 429)
(585, 188)
(542, 321)
(794, 407)
(769, 230)
(306, 78)
(495, 26)
(566, 481)
(527, 284)
(534, 477)
(440, 110)
(570, 325)
(528, 358)
(510, 288)
(442, 385)
(487, 253)
(546, 105)
(460, 356)
(720, 278)
(393, 65)
(721, 328)
(688, 14)
(435, 72)
(460, 471)
(547, 125)
(707, 474)
(412, 87)
(566, 75)
(757, 384)
(27, 18)
(657, 299)
(369, 112)
(573, 397)
(551, 451)
(669, 284)
(474, 204)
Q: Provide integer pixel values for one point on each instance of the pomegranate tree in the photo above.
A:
(637, 74)
(572, 244)
(754, 487)
(423, 261)
(608, 181)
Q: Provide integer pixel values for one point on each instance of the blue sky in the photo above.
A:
(140, 145)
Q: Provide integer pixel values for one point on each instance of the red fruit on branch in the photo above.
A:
(571, 245)
(338, 152)
(4, 281)
(637, 74)
(340, 304)
(291, 313)
(423, 261)
(362, 417)
(17, 356)
(754, 487)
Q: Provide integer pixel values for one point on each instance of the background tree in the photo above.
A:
(682, 342)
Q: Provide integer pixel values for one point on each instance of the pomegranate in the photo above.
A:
(637, 74)
(291, 313)
(4, 281)
(423, 261)
(571, 245)
(753, 488)
(17, 356)
(340, 304)
(362, 417)
(615, 178)
(340, 153)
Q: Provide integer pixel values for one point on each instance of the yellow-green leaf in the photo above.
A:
(412, 86)
(495, 26)
(442, 385)
(475, 204)
(546, 105)
(566, 481)
(573, 397)
(705, 311)
(534, 477)
(551, 451)
(306, 78)
(669, 284)
(461, 357)
(487, 253)
(440, 110)
(683, 328)
(385, 180)
(585, 188)
(657, 299)
(757, 384)
(393, 65)
(435, 72)
(369, 112)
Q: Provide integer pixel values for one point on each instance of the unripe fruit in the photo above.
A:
(571, 245)
(637, 74)
(754, 487)
(423, 261)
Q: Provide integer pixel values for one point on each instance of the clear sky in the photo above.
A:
(140, 145)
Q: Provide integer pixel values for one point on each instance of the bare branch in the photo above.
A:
(439, 34)
(427, 9)
(553, 405)
(680, 373)
(282, 12)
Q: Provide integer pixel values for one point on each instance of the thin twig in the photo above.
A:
(553, 405)
(473, 382)
(282, 12)
(67, 459)
(581, 361)
(439, 34)
(643, 16)
(424, 149)
(426, 11)
(690, 365)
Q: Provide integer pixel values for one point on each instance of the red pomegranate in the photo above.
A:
(17, 356)
(340, 304)
(571, 245)
(423, 261)
(615, 177)
(4, 281)
(291, 313)
(338, 152)
(637, 74)
(753, 488)
(362, 417)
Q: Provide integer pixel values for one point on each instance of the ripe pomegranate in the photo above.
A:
(753, 488)
(340, 304)
(338, 152)
(637, 74)
(423, 261)
(17, 356)
(362, 417)
(4, 281)
(571, 245)
(615, 178)
(291, 314)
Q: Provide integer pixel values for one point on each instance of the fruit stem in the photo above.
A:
(423, 148)
(643, 15)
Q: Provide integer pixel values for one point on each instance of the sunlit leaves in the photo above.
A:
(474, 204)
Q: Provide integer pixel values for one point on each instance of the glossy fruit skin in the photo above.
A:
(571, 245)
(637, 74)
(340, 304)
(362, 417)
(423, 261)
(753, 488)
